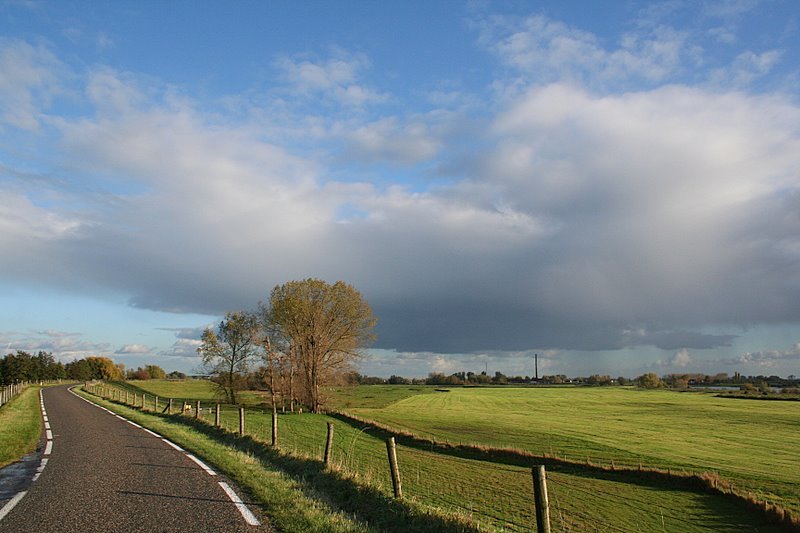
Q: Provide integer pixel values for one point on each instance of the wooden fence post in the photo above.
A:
(197, 409)
(540, 497)
(328, 444)
(216, 416)
(135, 395)
(144, 399)
(169, 409)
(274, 427)
(155, 404)
(241, 420)
(392, 451)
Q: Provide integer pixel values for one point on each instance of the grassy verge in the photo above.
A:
(187, 390)
(297, 493)
(20, 426)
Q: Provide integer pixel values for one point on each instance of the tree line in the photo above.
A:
(23, 366)
(306, 335)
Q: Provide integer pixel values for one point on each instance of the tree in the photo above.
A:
(140, 374)
(650, 381)
(227, 354)
(93, 368)
(156, 372)
(324, 327)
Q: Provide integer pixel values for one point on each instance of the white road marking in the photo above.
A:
(11, 503)
(173, 444)
(48, 449)
(201, 464)
(249, 517)
(40, 469)
(49, 434)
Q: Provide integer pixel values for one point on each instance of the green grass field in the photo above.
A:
(605, 424)
(753, 443)
(187, 389)
(20, 426)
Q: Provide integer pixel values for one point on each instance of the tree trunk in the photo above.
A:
(291, 386)
(272, 382)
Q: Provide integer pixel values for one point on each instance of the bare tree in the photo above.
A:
(323, 326)
(227, 354)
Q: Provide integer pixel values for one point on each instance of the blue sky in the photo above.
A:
(614, 186)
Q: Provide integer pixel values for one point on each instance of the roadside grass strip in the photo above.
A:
(20, 426)
(20, 429)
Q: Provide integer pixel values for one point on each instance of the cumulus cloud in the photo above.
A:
(31, 77)
(133, 349)
(184, 348)
(766, 358)
(65, 346)
(186, 344)
(681, 358)
(335, 78)
(547, 50)
(746, 68)
(388, 140)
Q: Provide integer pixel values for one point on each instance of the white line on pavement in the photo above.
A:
(201, 464)
(249, 517)
(11, 503)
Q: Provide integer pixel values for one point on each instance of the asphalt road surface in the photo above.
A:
(105, 474)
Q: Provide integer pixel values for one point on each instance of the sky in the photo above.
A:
(614, 186)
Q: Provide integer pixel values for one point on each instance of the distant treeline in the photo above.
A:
(23, 366)
(649, 380)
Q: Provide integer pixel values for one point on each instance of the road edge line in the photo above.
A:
(11, 504)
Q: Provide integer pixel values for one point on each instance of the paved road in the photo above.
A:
(104, 474)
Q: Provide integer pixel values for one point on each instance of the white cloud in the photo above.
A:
(336, 78)
(184, 348)
(746, 68)
(545, 50)
(29, 81)
(133, 349)
(681, 359)
(65, 346)
(766, 358)
(388, 140)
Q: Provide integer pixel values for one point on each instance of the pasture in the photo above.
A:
(753, 443)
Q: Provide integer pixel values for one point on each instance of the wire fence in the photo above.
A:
(8, 392)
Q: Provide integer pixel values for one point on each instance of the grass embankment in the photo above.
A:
(20, 426)
(752, 444)
(187, 389)
(488, 494)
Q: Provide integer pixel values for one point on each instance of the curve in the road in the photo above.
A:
(109, 473)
